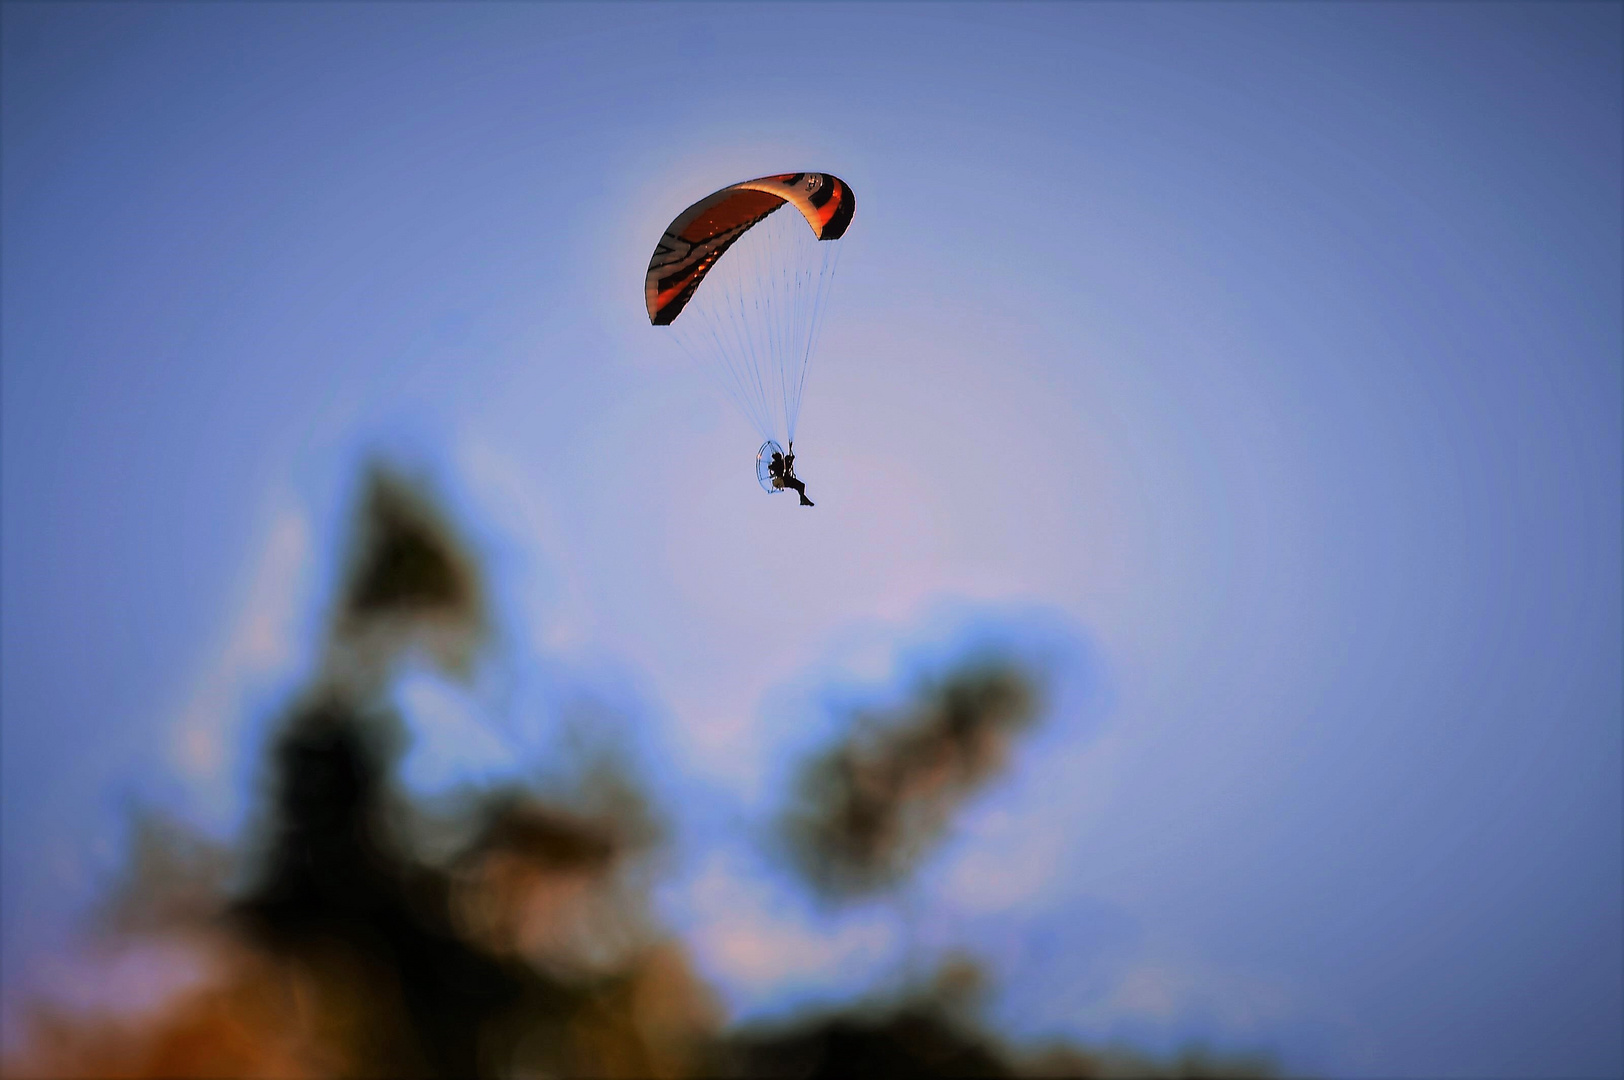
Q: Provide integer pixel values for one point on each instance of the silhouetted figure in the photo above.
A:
(782, 470)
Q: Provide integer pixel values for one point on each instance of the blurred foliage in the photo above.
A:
(867, 810)
(333, 944)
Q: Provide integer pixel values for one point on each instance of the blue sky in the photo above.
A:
(1265, 361)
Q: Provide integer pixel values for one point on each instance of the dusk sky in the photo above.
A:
(1258, 366)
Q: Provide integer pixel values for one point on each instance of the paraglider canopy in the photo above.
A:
(752, 319)
(700, 234)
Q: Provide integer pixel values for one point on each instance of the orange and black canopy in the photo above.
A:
(700, 234)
